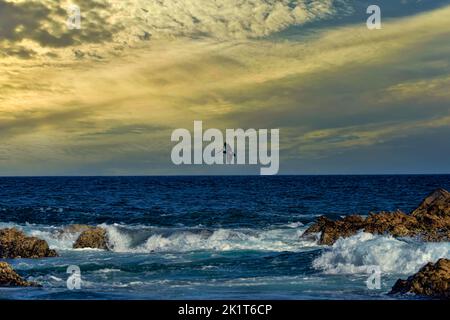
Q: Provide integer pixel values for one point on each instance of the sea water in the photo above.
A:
(214, 237)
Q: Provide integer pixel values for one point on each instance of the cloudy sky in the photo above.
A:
(104, 100)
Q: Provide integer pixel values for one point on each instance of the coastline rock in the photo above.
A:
(397, 224)
(9, 278)
(94, 237)
(434, 215)
(430, 222)
(432, 280)
(333, 230)
(436, 204)
(15, 244)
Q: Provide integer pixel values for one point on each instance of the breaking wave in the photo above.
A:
(397, 256)
(347, 256)
(141, 240)
(146, 239)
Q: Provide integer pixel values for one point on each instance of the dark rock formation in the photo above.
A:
(432, 280)
(397, 224)
(15, 244)
(433, 214)
(430, 222)
(436, 204)
(333, 230)
(94, 237)
(9, 278)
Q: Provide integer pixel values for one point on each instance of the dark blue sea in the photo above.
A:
(235, 237)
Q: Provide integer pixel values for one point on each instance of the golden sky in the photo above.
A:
(104, 99)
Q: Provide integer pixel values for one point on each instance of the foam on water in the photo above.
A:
(347, 256)
(52, 234)
(126, 239)
(146, 239)
(396, 256)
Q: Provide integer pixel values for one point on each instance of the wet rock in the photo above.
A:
(435, 204)
(9, 278)
(433, 215)
(432, 280)
(94, 237)
(429, 222)
(396, 223)
(15, 244)
(332, 230)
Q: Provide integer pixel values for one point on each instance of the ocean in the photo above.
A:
(209, 237)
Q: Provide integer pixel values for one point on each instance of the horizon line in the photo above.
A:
(223, 175)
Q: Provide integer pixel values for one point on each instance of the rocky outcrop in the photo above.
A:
(433, 214)
(397, 224)
(94, 237)
(430, 222)
(433, 280)
(9, 278)
(436, 204)
(331, 230)
(15, 244)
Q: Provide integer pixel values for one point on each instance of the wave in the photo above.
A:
(141, 240)
(147, 239)
(54, 236)
(347, 256)
(397, 256)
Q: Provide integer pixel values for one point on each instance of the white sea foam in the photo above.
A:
(356, 253)
(142, 239)
(123, 239)
(350, 255)
(52, 234)
(107, 270)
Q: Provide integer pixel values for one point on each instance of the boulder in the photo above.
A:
(397, 224)
(332, 230)
(433, 214)
(15, 244)
(9, 278)
(94, 237)
(433, 280)
(429, 222)
(436, 204)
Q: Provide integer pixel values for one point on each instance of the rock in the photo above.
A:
(396, 223)
(437, 204)
(332, 230)
(94, 237)
(15, 244)
(9, 278)
(429, 222)
(433, 214)
(432, 280)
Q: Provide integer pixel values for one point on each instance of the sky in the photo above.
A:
(104, 99)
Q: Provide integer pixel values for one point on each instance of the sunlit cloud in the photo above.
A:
(108, 105)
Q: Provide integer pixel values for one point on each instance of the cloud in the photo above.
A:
(228, 18)
(42, 25)
(335, 92)
(29, 27)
